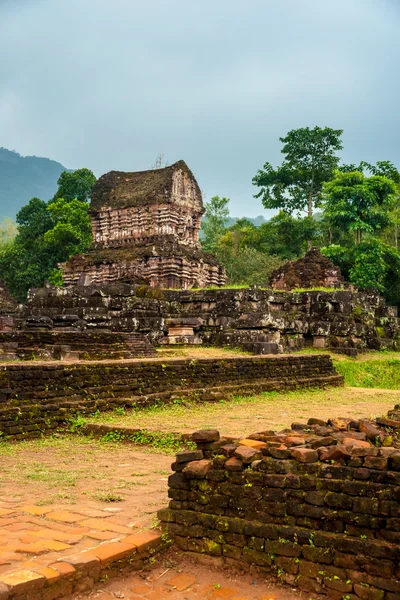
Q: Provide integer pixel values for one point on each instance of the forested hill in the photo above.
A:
(23, 177)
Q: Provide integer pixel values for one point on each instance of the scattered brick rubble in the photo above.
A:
(317, 504)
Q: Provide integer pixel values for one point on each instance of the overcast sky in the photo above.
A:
(109, 84)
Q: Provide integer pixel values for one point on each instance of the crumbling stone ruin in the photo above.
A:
(316, 505)
(314, 270)
(146, 230)
(258, 320)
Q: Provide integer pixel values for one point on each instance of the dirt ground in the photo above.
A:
(119, 479)
(175, 577)
(273, 410)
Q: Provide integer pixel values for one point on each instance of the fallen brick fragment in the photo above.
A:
(252, 443)
(305, 455)
(182, 581)
(247, 454)
(205, 436)
(197, 469)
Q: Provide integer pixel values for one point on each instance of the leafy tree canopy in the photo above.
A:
(8, 231)
(358, 203)
(288, 237)
(48, 234)
(310, 160)
(77, 184)
(71, 229)
(215, 219)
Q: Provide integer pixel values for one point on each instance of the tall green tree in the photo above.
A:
(214, 222)
(249, 266)
(310, 160)
(358, 203)
(71, 229)
(48, 233)
(25, 263)
(288, 237)
(76, 184)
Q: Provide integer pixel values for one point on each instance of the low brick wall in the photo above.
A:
(317, 506)
(36, 397)
(31, 344)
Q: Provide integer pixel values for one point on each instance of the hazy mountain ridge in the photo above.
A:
(24, 177)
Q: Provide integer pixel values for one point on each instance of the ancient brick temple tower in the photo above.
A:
(146, 230)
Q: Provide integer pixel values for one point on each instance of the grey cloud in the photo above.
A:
(109, 84)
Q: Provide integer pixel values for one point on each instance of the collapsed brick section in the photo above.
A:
(313, 270)
(317, 505)
(38, 397)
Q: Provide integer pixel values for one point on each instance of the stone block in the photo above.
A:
(258, 445)
(305, 455)
(234, 464)
(189, 456)
(197, 469)
(205, 436)
(247, 454)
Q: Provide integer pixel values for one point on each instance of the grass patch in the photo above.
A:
(168, 443)
(380, 374)
(52, 476)
(62, 497)
(380, 370)
(103, 496)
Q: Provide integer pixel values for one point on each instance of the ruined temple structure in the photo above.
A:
(146, 230)
(312, 271)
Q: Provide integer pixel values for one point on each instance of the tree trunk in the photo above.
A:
(310, 204)
(310, 213)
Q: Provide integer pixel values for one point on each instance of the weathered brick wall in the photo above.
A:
(317, 506)
(33, 343)
(35, 397)
(287, 320)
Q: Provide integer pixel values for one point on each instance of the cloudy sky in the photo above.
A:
(109, 84)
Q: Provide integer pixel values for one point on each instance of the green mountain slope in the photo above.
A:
(23, 177)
